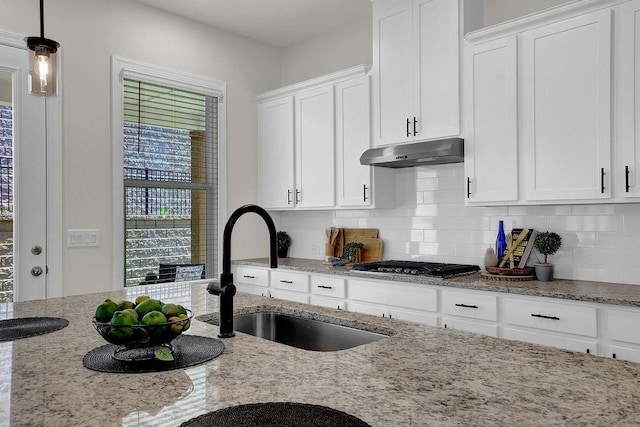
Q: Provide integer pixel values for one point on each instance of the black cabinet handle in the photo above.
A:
(468, 187)
(415, 126)
(466, 306)
(364, 193)
(602, 174)
(249, 277)
(325, 287)
(408, 133)
(288, 196)
(542, 316)
(626, 178)
(286, 281)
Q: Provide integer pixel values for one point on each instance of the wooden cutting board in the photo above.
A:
(356, 234)
(372, 250)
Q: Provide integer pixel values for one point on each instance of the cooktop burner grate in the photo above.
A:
(416, 268)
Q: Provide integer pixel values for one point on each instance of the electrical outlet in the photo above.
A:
(315, 250)
(83, 238)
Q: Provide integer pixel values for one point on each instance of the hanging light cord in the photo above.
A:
(42, 18)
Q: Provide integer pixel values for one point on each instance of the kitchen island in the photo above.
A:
(419, 376)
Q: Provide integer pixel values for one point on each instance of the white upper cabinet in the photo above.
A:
(491, 146)
(415, 71)
(276, 158)
(315, 142)
(566, 108)
(353, 137)
(628, 164)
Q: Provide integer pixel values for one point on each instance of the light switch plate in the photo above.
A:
(83, 238)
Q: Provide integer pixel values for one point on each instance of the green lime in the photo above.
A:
(126, 304)
(170, 310)
(123, 319)
(154, 318)
(148, 306)
(181, 309)
(105, 310)
(141, 298)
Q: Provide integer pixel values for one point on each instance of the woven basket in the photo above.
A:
(527, 271)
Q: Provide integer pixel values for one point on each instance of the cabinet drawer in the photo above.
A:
(583, 346)
(465, 325)
(290, 296)
(322, 301)
(624, 325)
(251, 276)
(394, 294)
(568, 318)
(290, 281)
(469, 304)
(328, 286)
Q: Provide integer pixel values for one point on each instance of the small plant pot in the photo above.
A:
(282, 252)
(544, 272)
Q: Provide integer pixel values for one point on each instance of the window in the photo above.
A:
(169, 151)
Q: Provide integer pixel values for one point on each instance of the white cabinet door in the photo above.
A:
(392, 71)
(491, 148)
(628, 165)
(436, 80)
(566, 107)
(353, 137)
(315, 145)
(276, 136)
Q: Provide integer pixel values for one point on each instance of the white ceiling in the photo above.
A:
(277, 22)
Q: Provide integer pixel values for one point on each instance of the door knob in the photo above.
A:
(36, 271)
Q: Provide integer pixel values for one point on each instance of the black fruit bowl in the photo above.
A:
(139, 336)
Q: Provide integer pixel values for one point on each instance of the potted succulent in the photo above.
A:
(284, 241)
(351, 251)
(547, 243)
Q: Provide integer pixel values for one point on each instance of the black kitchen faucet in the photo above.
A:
(227, 289)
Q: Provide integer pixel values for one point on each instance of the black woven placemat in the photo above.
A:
(25, 327)
(188, 350)
(276, 414)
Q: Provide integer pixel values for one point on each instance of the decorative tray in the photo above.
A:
(526, 271)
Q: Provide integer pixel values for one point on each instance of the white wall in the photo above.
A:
(90, 31)
(335, 50)
(431, 223)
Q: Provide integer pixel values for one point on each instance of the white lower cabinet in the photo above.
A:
(470, 326)
(599, 329)
(252, 280)
(403, 302)
(543, 338)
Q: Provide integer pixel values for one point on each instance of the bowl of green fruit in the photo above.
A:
(147, 322)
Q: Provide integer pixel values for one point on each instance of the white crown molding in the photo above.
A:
(515, 26)
(13, 40)
(349, 73)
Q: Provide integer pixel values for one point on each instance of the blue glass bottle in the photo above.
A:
(501, 241)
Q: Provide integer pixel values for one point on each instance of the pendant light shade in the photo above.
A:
(43, 67)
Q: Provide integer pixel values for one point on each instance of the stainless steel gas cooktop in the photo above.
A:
(416, 268)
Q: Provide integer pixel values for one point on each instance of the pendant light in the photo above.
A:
(43, 68)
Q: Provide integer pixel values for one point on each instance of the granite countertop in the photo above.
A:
(578, 290)
(419, 376)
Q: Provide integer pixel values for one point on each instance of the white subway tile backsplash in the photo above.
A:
(432, 223)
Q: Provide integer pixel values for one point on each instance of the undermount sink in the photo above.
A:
(303, 333)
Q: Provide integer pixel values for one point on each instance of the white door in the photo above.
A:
(275, 128)
(566, 107)
(353, 137)
(491, 150)
(436, 38)
(628, 165)
(29, 178)
(392, 72)
(315, 148)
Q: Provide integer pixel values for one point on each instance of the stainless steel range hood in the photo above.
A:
(424, 153)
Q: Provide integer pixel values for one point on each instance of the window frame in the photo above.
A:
(122, 68)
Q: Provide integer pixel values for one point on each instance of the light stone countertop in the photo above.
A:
(577, 290)
(420, 376)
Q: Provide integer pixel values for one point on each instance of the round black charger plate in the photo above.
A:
(188, 350)
(25, 327)
(276, 414)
